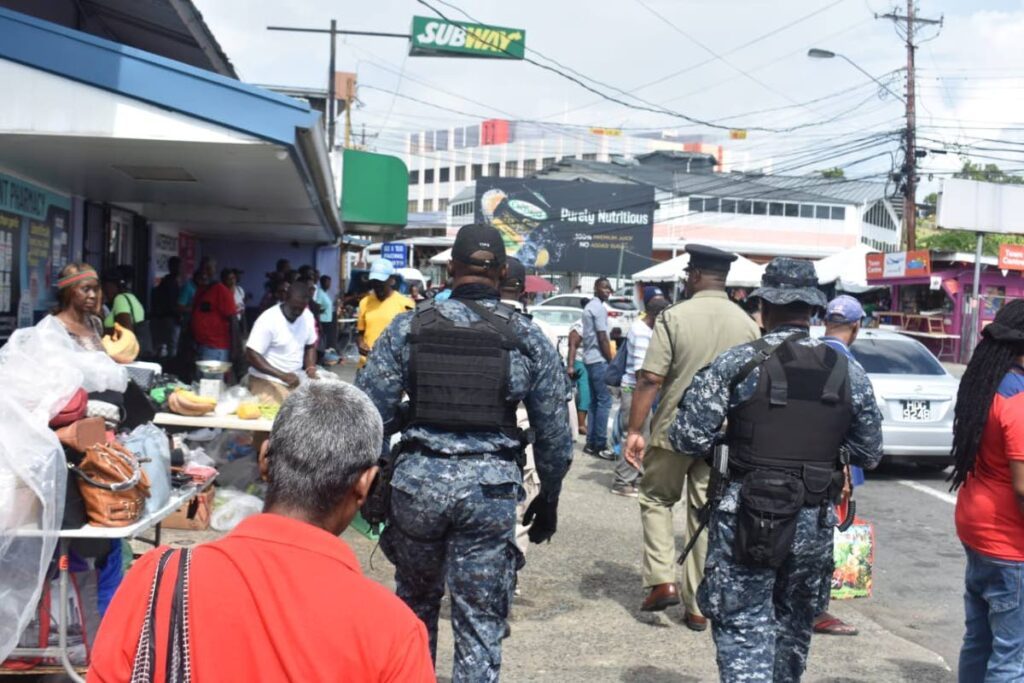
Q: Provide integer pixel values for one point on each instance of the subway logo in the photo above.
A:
(460, 39)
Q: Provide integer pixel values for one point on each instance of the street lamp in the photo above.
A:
(816, 53)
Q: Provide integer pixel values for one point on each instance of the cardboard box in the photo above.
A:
(194, 515)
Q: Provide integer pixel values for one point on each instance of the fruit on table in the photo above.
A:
(186, 402)
(249, 411)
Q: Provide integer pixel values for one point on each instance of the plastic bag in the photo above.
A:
(150, 442)
(231, 398)
(48, 343)
(230, 507)
(854, 553)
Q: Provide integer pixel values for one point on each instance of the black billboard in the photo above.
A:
(567, 226)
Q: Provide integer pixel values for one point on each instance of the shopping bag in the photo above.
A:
(853, 551)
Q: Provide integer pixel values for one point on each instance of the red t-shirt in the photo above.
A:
(988, 518)
(211, 316)
(275, 600)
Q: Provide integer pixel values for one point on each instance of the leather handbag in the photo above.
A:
(81, 434)
(112, 484)
(72, 411)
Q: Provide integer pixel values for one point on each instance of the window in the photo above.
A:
(460, 138)
(428, 141)
(728, 206)
(476, 171)
(442, 204)
(428, 205)
(428, 176)
(548, 161)
(892, 357)
(760, 208)
(839, 213)
(590, 157)
(696, 203)
(441, 140)
(460, 174)
(445, 174)
(413, 207)
(414, 143)
(511, 169)
(807, 211)
(792, 210)
(472, 136)
(821, 212)
(494, 170)
(775, 209)
(529, 167)
(414, 177)
(744, 206)
(711, 204)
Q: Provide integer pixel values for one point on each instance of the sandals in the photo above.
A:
(826, 624)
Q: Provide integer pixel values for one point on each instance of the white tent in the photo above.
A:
(743, 273)
(847, 268)
(442, 258)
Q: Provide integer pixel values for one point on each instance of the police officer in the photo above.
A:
(687, 336)
(796, 412)
(456, 483)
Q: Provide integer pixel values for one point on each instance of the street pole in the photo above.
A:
(972, 334)
(331, 95)
(618, 278)
(349, 99)
(910, 197)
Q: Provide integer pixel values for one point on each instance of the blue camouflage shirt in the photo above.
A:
(706, 403)
(537, 379)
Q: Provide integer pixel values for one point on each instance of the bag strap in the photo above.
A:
(834, 383)
(145, 651)
(128, 483)
(501, 322)
(131, 307)
(178, 665)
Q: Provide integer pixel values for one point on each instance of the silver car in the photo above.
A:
(915, 394)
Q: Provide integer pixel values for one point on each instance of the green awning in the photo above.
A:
(374, 193)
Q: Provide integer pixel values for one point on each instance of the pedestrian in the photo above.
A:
(578, 373)
(281, 597)
(78, 296)
(458, 477)
(988, 470)
(282, 346)
(843, 317)
(687, 336)
(378, 308)
(797, 411)
(166, 316)
(125, 309)
(597, 353)
(212, 310)
(627, 475)
(328, 319)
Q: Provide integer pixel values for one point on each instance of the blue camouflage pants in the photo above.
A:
(453, 525)
(761, 619)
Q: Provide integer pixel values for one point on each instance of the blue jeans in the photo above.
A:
(210, 353)
(993, 649)
(600, 406)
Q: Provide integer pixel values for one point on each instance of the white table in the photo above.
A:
(260, 424)
(178, 498)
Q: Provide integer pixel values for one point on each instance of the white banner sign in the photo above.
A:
(981, 207)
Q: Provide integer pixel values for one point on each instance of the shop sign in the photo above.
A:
(396, 252)
(874, 266)
(1011, 257)
(898, 264)
(437, 38)
(919, 263)
(612, 132)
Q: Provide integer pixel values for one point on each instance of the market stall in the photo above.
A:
(846, 269)
(930, 295)
(743, 273)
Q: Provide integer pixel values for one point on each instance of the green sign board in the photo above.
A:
(438, 38)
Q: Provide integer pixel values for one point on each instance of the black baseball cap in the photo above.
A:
(475, 238)
(516, 277)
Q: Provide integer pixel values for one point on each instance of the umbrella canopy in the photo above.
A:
(442, 258)
(849, 267)
(538, 285)
(743, 273)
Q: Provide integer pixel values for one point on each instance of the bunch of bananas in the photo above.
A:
(187, 402)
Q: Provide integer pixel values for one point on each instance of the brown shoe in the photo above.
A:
(661, 597)
(695, 622)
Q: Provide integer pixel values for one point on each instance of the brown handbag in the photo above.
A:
(112, 484)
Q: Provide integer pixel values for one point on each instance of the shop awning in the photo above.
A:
(848, 268)
(178, 144)
(743, 273)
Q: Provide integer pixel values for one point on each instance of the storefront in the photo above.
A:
(930, 295)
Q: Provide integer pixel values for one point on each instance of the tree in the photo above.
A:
(989, 173)
(833, 173)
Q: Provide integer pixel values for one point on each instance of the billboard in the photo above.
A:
(1011, 257)
(981, 207)
(438, 38)
(568, 226)
(898, 264)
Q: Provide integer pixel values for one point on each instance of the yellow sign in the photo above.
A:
(614, 132)
(737, 134)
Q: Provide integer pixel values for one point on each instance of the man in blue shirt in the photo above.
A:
(597, 353)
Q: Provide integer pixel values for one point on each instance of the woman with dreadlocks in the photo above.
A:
(988, 454)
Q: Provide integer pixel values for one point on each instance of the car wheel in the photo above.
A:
(934, 464)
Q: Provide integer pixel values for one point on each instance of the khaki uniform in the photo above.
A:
(687, 336)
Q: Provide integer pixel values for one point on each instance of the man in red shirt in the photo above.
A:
(212, 310)
(281, 597)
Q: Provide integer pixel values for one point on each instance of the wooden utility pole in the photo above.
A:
(909, 173)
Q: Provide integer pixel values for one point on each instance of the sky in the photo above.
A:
(736, 63)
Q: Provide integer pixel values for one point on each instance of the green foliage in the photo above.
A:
(989, 173)
(833, 173)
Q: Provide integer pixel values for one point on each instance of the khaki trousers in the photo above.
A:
(667, 475)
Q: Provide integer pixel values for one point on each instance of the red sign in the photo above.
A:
(919, 263)
(875, 264)
(1011, 257)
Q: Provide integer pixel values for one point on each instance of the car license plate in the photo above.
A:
(916, 411)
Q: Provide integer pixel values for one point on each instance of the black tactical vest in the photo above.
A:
(459, 371)
(797, 417)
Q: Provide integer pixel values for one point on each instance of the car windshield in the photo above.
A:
(622, 304)
(891, 357)
(556, 317)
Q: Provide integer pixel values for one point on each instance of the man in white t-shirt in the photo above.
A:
(282, 345)
(627, 477)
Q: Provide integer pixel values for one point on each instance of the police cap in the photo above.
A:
(703, 257)
(479, 245)
(516, 276)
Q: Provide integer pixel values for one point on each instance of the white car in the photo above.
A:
(621, 309)
(560, 319)
(915, 393)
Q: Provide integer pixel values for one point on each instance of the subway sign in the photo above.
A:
(437, 38)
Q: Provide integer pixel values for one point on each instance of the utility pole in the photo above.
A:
(909, 172)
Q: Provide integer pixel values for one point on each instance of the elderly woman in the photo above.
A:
(78, 301)
(281, 597)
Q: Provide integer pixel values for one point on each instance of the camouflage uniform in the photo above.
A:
(453, 506)
(762, 619)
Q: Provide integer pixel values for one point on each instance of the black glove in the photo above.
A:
(542, 518)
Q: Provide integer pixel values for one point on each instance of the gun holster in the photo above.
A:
(377, 505)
